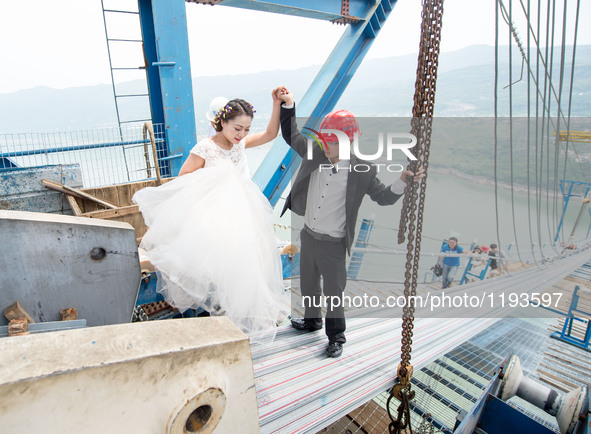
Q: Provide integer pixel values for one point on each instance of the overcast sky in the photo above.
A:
(61, 43)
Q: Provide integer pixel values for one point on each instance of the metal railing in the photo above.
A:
(106, 156)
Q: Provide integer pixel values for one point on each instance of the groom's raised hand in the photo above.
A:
(286, 96)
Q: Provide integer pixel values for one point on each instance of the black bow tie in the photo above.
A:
(334, 166)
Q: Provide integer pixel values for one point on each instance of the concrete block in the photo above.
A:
(146, 377)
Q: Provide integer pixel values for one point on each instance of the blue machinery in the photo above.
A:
(164, 29)
(491, 414)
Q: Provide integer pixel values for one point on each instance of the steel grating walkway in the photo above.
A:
(300, 390)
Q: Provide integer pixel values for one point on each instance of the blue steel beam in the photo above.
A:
(566, 333)
(567, 196)
(357, 257)
(329, 10)
(166, 49)
(274, 174)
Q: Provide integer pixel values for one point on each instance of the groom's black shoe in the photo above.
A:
(334, 349)
(301, 324)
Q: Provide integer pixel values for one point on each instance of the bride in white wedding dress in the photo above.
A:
(211, 236)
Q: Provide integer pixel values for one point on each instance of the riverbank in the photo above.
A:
(482, 180)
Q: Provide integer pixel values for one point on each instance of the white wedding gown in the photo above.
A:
(212, 241)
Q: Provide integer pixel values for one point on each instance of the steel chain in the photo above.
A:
(411, 220)
(426, 427)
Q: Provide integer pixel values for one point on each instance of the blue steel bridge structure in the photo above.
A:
(168, 70)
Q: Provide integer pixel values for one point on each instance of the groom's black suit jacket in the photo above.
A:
(358, 184)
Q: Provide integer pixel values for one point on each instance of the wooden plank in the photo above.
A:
(578, 328)
(120, 194)
(18, 327)
(98, 192)
(84, 195)
(569, 361)
(573, 356)
(69, 314)
(74, 205)
(56, 186)
(563, 381)
(554, 384)
(110, 214)
(88, 206)
(565, 365)
(370, 417)
(16, 311)
(123, 194)
(133, 189)
(128, 214)
(579, 281)
(75, 192)
(137, 221)
(111, 195)
(108, 194)
(342, 425)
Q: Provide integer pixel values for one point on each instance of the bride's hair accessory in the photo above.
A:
(234, 107)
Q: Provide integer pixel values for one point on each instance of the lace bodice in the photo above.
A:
(215, 155)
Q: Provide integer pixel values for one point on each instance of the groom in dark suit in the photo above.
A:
(328, 193)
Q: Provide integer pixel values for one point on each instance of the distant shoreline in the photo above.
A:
(482, 180)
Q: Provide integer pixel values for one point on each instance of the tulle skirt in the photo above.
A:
(212, 241)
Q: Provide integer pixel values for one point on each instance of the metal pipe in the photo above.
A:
(74, 148)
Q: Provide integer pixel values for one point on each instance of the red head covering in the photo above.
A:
(341, 120)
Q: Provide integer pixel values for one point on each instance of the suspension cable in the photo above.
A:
(496, 91)
(538, 184)
(531, 240)
(539, 57)
(511, 32)
(545, 68)
(572, 77)
(546, 117)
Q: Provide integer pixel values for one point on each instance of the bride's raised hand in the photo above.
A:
(277, 92)
(272, 130)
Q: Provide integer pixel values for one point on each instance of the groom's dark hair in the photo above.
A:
(234, 108)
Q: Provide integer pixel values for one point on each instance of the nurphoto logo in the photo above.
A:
(339, 139)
